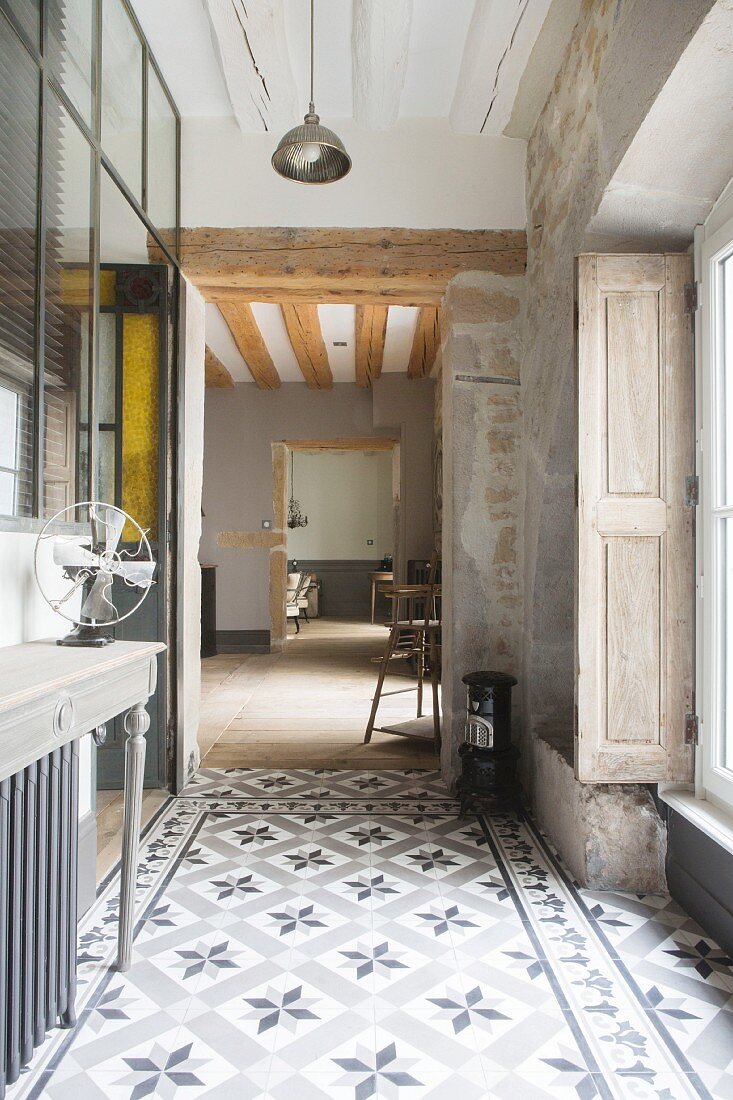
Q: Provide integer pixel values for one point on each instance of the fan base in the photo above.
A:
(93, 636)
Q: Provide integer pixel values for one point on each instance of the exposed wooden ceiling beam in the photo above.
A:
(379, 44)
(248, 338)
(304, 330)
(499, 42)
(371, 330)
(216, 375)
(425, 343)
(403, 266)
(251, 45)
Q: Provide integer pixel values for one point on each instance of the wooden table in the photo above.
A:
(378, 578)
(51, 695)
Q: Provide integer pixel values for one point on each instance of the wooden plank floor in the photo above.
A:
(307, 707)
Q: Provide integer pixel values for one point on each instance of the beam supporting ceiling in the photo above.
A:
(364, 266)
(251, 43)
(358, 443)
(216, 375)
(425, 343)
(371, 331)
(498, 45)
(304, 330)
(248, 338)
(379, 46)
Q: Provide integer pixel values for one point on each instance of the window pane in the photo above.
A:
(122, 95)
(71, 50)
(107, 369)
(161, 156)
(725, 638)
(28, 14)
(68, 306)
(19, 103)
(724, 386)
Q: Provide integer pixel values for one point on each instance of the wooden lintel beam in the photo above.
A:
(304, 330)
(425, 343)
(216, 375)
(332, 294)
(351, 265)
(371, 330)
(248, 338)
(357, 443)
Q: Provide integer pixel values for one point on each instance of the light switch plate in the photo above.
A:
(267, 525)
(370, 542)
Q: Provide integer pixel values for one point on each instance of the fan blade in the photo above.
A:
(97, 606)
(73, 553)
(115, 522)
(137, 572)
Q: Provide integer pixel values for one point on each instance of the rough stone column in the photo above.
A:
(482, 429)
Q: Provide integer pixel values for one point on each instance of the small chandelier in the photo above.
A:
(295, 516)
(311, 153)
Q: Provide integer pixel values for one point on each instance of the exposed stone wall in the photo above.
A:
(609, 78)
(483, 316)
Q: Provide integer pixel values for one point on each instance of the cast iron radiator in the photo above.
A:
(39, 809)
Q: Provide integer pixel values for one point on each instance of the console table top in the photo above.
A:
(33, 669)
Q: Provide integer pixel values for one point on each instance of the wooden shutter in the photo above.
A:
(635, 582)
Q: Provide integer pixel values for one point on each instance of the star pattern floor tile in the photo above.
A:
(322, 935)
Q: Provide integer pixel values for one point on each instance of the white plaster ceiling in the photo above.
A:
(436, 64)
(337, 328)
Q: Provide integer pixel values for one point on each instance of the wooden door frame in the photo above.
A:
(281, 451)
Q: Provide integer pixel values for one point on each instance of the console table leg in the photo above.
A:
(137, 723)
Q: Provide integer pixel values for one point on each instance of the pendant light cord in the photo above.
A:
(312, 105)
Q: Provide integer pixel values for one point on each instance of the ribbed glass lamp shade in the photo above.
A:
(311, 153)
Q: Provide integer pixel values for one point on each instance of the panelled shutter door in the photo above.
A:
(635, 561)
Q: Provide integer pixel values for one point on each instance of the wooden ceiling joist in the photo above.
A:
(498, 45)
(365, 266)
(251, 45)
(217, 377)
(371, 330)
(379, 44)
(304, 330)
(248, 338)
(425, 343)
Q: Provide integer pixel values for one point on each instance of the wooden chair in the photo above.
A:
(296, 584)
(415, 633)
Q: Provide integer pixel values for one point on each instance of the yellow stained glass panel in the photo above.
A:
(140, 418)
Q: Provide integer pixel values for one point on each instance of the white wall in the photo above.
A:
(347, 497)
(25, 616)
(418, 175)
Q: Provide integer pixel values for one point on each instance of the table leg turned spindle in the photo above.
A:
(137, 723)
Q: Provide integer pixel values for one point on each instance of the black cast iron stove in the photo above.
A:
(488, 758)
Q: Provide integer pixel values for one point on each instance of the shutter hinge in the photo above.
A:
(692, 491)
(692, 729)
(692, 297)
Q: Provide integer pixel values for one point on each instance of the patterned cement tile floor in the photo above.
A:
(327, 935)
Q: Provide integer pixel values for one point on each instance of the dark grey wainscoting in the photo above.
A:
(345, 587)
(243, 641)
(700, 878)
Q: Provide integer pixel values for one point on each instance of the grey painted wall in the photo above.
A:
(240, 426)
(700, 878)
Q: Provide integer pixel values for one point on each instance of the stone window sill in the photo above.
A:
(709, 819)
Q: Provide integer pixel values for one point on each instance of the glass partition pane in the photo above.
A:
(28, 14)
(68, 308)
(122, 95)
(19, 105)
(161, 157)
(71, 51)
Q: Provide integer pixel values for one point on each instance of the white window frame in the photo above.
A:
(713, 781)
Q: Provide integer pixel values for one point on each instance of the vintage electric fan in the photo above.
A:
(93, 566)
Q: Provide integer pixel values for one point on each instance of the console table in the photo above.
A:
(50, 697)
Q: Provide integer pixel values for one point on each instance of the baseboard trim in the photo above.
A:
(243, 641)
(707, 910)
(87, 862)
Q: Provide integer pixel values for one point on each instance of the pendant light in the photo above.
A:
(295, 516)
(311, 153)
